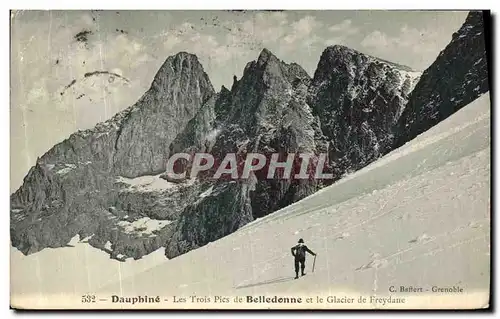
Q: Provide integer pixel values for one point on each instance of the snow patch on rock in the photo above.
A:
(144, 225)
(149, 183)
(108, 246)
(208, 192)
(66, 170)
(75, 240)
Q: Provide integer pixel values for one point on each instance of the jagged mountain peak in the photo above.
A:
(463, 66)
(183, 55)
(223, 89)
(339, 61)
(339, 52)
(338, 48)
(183, 59)
(266, 56)
(179, 65)
(358, 98)
(190, 58)
(473, 18)
(266, 87)
(269, 65)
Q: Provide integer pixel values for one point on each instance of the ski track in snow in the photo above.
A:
(418, 216)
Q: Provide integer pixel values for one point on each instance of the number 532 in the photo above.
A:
(88, 298)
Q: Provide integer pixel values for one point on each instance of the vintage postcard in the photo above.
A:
(241, 159)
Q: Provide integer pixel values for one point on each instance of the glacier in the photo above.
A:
(417, 217)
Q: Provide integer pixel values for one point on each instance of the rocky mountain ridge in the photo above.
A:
(457, 77)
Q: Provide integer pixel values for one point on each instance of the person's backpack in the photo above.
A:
(300, 251)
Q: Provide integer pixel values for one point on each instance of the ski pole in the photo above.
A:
(314, 262)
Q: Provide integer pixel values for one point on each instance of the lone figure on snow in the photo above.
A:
(299, 252)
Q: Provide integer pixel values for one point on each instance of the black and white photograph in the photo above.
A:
(250, 159)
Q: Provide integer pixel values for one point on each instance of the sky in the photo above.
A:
(55, 89)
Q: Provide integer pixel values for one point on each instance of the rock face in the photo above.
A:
(108, 185)
(74, 188)
(457, 77)
(265, 112)
(358, 99)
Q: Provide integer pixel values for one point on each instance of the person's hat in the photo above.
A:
(301, 241)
